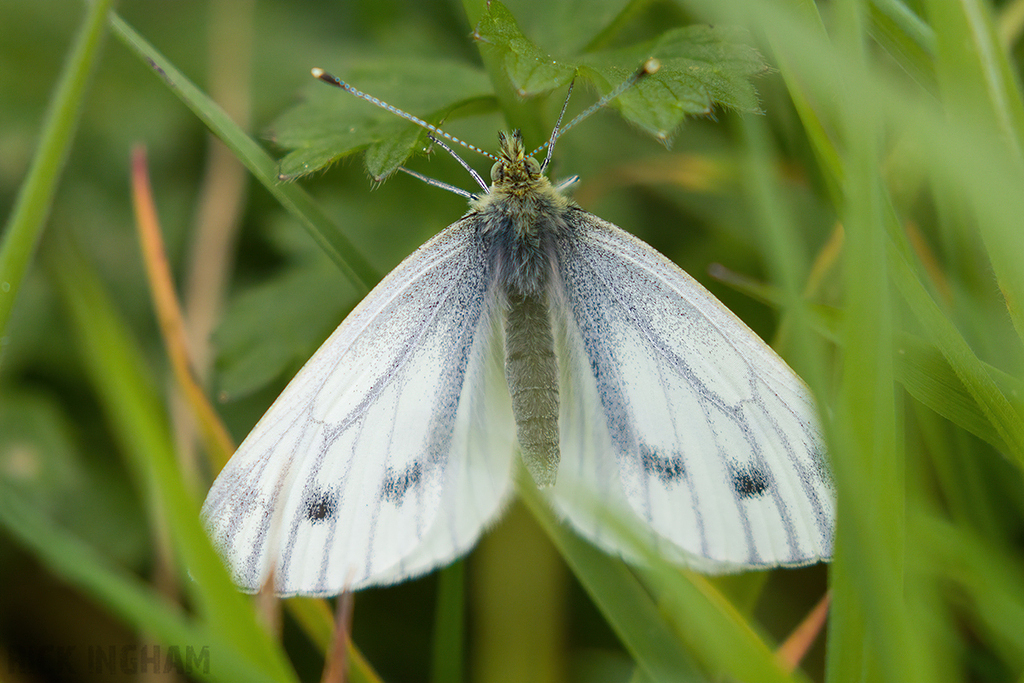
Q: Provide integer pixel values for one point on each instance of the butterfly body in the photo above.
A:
(521, 219)
(651, 416)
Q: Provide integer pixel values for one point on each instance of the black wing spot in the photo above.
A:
(750, 482)
(320, 506)
(669, 469)
(396, 485)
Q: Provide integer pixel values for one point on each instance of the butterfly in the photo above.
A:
(641, 406)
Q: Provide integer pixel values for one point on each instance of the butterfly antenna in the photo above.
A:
(434, 182)
(443, 185)
(646, 69)
(337, 82)
(554, 131)
(470, 169)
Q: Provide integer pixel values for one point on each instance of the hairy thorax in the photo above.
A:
(522, 217)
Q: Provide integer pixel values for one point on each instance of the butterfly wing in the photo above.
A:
(708, 439)
(391, 448)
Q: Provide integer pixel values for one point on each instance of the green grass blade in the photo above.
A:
(623, 601)
(25, 225)
(987, 575)
(910, 25)
(260, 164)
(124, 595)
(688, 616)
(866, 453)
(974, 69)
(980, 86)
(711, 627)
(449, 625)
(138, 420)
(906, 37)
(929, 377)
(1001, 414)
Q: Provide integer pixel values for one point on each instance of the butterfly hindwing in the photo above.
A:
(391, 449)
(676, 416)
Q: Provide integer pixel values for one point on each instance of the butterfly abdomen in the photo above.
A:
(532, 374)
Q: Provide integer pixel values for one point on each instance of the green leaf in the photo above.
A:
(531, 70)
(571, 27)
(449, 625)
(972, 565)
(245, 361)
(385, 156)
(701, 67)
(332, 124)
(689, 616)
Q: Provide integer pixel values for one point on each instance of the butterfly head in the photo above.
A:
(514, 168)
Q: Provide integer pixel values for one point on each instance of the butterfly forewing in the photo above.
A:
(707, 436)
(392, 447)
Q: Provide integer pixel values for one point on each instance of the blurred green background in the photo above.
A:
(869, 218)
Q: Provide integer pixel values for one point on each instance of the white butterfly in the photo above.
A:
(631, 391)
